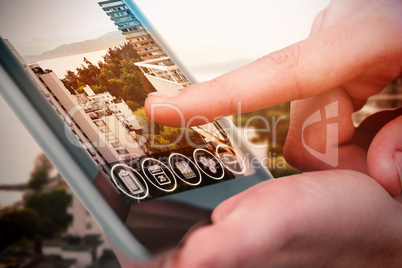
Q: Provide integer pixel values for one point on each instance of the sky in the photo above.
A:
(47, 19)
(209, 37)
(231, 31)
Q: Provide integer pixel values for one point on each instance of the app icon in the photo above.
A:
(185, 169)
(130, 181)
(159, 175)
(231, 159)
(209, 164)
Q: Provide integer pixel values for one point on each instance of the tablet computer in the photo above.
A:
(138, 179)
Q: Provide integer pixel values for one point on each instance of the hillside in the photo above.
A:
(105, 41)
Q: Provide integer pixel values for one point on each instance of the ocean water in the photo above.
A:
(60, 65)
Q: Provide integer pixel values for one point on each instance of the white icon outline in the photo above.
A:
(241, 159)
(199, 173)
(159, 173)
(121, 189)
(167, 168)
(219, 162)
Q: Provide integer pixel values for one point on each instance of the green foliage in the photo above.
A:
(133, 105)
(147, 86)
(88, 73)
(117, 75)
(171, 138)
(40, 173)
(132, 87)
(144, 120)
(71, 81)
(45, 213)
(52, 208)
(158, 143)
(39, 178)
(17, 224)
(121, 78)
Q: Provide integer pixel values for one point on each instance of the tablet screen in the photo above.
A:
(96, 65)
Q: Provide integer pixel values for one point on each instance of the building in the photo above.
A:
(156, 65)
(108, 130)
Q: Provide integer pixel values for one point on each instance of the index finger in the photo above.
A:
(307, 68)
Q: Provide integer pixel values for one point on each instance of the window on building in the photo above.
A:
(117, 20)
(127, 24)
(100, 123)
(122, 151)
(120, 14)
(115, 9)
(104, 129)
(112, 4)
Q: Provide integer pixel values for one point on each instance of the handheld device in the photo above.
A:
(145, 184)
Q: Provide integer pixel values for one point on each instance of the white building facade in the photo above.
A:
(156, 65)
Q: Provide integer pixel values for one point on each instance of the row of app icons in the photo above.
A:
(164, 178)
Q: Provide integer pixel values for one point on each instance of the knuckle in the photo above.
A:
(287, 58)
(319, 22)
(286, 64)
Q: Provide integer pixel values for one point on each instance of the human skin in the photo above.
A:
(332, 218)
(336, 218)
(354, 50)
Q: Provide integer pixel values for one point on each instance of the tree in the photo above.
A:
(52, 207)
(71, 81)
(132, 88)
(17, 224)
(171, 137)
(42, 161)
(145, 122)
(117, 75)
(133, 105)
(39, 178)
(40, 173)
(146, 85)
(115, 87)
(128, 52)
(87, 74)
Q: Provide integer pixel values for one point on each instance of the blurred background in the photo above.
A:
(42, 224)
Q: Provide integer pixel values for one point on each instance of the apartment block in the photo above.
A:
(156, 65)
(109, 131)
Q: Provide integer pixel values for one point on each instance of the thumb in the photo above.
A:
(384, 157)
(302, 70)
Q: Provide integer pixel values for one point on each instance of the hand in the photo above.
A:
(327, 218)
(353, 52)
(322, 219)
(378, 65)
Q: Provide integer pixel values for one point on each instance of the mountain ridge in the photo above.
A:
(105, 41)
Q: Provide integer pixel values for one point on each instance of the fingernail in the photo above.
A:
(398, 163)
(165, 94)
